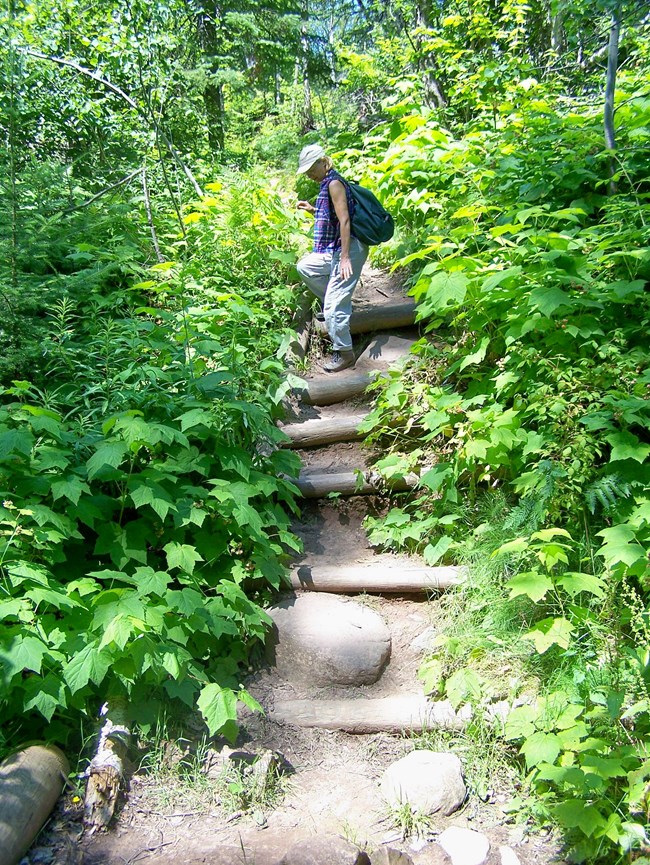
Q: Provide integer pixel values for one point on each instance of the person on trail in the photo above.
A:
(332, 270)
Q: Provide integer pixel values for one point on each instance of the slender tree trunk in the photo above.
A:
(610, 89)
(213, 101)
(306, 114)
(13, 247)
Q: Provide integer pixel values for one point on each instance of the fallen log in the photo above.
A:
(322, 431)
(107, 768)
(383, 316)
(381, 578)
(411, 713)
(316, 483)
(31, 781)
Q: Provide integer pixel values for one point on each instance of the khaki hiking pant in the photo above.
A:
(321, 274)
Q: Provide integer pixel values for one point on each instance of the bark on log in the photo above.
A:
(327, 390)
(322, 431)
(381, 317)
(31, 781)
(106, 770)
(383, 578)
(315, 484)
(387, 714)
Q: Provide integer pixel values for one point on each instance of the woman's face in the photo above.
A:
(317, 171)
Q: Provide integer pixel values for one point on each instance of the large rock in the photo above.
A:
(430, 781)
(433, 854)
(465, 846)
(324, 639)
(325, 850)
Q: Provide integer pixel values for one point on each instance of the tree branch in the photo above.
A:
(103, 192)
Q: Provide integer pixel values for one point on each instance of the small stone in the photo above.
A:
(41, 856)
(465, 846)
(390, 856)
(508, 856)
(424, 642)
(432, 855)
(323, 639)
(325, 850)
(430, 781)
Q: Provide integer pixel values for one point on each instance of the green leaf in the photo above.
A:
(107, 454)
(520, 723)
(88, 665)
(540, 748)
(435, 477)
(218, 706)
(71, 488)
(445, 288)
(22, 653)
(577, 814)
(182, 556)
(530, 583)
(574, 582)
(478, 355)
(626, 446)
(550, 632)
(548, 299)
(463, 685)
(434, 552)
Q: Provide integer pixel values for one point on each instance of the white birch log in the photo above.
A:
(383, 316)
(316, 483)
(324, 431)
(106, 771)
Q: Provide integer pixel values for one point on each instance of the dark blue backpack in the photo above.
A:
(371, 223)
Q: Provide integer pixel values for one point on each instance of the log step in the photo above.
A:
(324, 431)
(384, 316)
(410, 713)
(379, 577)
(316, 483)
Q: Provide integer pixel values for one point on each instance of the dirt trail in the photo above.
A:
(332, 778)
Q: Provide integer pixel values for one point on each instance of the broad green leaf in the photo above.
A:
(548, 299)
(521, 722)
(478, 355)
(463, 685)
(626, 446)
(182, 556)
(23, 652)
(574, 582)
(15, 441)
(218, 706)
(550, 632)
(530, 583)
(434, 552)
(576, 813)
(540, 748)
(88, 665)
(434, 478)
(446, 288)
(109, 454)
(118, 631)
(71, 488)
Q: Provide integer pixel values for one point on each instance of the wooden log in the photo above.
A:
(31, 781)
(330, 389)
(315, 483)
(106, 771)
(383, 316)
(412, 713)
(324, 431)
(378, 577)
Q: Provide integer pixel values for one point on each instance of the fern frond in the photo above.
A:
(606, 492)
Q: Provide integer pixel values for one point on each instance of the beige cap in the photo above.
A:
(308, 155)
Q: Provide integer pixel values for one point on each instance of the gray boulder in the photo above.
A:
(465, 846)
(323, 639)
(430, 781)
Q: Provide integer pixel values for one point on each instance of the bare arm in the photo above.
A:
(305, 205)
(340, 202)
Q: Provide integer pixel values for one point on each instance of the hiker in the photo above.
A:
(332, 270)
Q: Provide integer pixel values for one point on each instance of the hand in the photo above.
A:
(305, 205)
(345, 267)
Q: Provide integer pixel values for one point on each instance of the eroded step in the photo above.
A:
(382, 578)
(408, 713)
(383, 352)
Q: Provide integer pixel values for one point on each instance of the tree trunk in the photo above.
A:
(208, 39)
(610, 89)
(383, 578)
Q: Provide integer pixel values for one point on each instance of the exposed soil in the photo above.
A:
(331, 777)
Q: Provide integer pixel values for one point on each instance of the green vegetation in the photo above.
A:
(147, 233)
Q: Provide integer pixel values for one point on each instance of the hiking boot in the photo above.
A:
(319, 316)
(343, 359)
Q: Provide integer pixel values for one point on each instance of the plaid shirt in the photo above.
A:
(327, 231)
